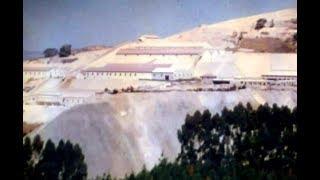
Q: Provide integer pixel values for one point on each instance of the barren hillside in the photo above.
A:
(268, 32)
(129, 130)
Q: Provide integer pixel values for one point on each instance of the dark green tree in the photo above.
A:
(50, 52)
(37, 144)
(27, 161)
(47, 168)
(65, 50)
(64, 162)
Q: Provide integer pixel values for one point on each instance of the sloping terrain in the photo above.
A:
(277, 34)
(126, 131)
(120, 133)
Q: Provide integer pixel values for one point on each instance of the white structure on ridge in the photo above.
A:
(44, 72)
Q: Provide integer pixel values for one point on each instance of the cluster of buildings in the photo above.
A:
(146, 60)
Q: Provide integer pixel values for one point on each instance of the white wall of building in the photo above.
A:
(277, 77)
(49, 99)
(162, 75)
(71, 101)
(53, 73)
(182, 74)
(36, 74)
(58, 73)
(115, 75)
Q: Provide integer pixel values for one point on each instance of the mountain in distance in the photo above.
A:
(31, 54)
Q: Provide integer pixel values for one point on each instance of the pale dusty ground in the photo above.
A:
(41, 114)
(216, 34)
(125, 131)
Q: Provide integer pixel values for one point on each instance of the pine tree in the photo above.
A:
(37, 144)
(27, 161)
(64, 162)
(27, 151)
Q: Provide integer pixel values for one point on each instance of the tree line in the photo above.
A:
(65, 51)
(49, 162)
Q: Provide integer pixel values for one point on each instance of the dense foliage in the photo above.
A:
(50, 52)
(241, 143)
(65, 161)
(65, 50)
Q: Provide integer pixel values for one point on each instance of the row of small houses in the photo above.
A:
(266, 81)
(59, 99)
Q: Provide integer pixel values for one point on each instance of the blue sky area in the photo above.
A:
(51, 23)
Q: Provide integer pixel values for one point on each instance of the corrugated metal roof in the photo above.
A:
(37, 68)
(146, 67)
(153, 50)
(163, 70)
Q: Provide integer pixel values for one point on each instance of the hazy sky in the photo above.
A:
(51, 23)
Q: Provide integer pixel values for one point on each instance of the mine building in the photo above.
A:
(37, 72)
(44, 72)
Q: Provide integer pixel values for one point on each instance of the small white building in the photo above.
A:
(37, 72)
(182, 74)
(44, 98)
(267, 81)
(71, 98)
(279, 77)
(171, 73)
(58, 72)
(281, 74)
(44, 72)
(163, 74)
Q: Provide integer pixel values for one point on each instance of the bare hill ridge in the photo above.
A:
(276, 35)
